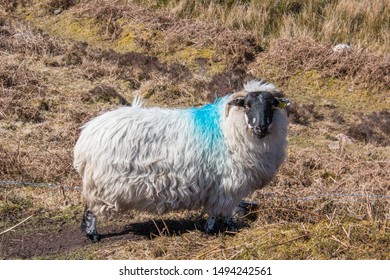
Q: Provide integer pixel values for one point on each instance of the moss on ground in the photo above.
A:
(199, 60)
(129, 37)
(312, 87)
(69, 27)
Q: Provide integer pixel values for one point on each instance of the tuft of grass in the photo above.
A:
(304, 56)
(198, 60)
(206, 49)
(365, 24)
(373, 128)
(69, 27)
(340, 240)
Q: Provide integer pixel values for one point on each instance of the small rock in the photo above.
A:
(335, 145)
(57, 11)
(342, 48)
(345, 139)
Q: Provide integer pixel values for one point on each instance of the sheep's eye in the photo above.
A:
(247, 106)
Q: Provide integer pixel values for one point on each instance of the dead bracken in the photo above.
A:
(325, 204)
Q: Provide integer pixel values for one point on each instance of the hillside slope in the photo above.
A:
(64, 62)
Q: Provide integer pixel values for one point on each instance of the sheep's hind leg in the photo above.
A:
(89, 225)
(231, 225)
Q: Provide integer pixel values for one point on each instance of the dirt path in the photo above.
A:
(43, 243)
(47, 238)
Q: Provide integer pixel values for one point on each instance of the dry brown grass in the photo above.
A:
(304, 54)
(329, 201)
(374, 128)
(363, 23)
(25, 38)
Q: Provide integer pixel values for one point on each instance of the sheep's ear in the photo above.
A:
(282, 102)
(235, 102)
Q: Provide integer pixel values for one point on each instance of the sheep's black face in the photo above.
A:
(259, 111)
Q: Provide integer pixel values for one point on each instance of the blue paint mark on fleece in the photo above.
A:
(207, 120)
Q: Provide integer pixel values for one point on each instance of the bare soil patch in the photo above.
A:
(65, 237)
(43, 243)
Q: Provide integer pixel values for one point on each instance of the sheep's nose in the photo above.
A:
(260, 130)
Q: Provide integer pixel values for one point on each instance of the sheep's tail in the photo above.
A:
(137, 102)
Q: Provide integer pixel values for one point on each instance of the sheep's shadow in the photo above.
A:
(170, 227)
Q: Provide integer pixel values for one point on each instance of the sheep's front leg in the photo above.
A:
(209, 227)
(89, 225)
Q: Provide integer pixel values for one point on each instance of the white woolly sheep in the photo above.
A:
(158, 159)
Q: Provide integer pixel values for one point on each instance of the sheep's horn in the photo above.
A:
(236, 95)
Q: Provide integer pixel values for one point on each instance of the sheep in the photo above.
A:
(158, 160)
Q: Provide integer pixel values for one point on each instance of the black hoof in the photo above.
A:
(231, 228)
(89, 225)
(209, 231)
(94, 237)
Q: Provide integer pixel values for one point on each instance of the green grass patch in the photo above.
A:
(312, 87)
